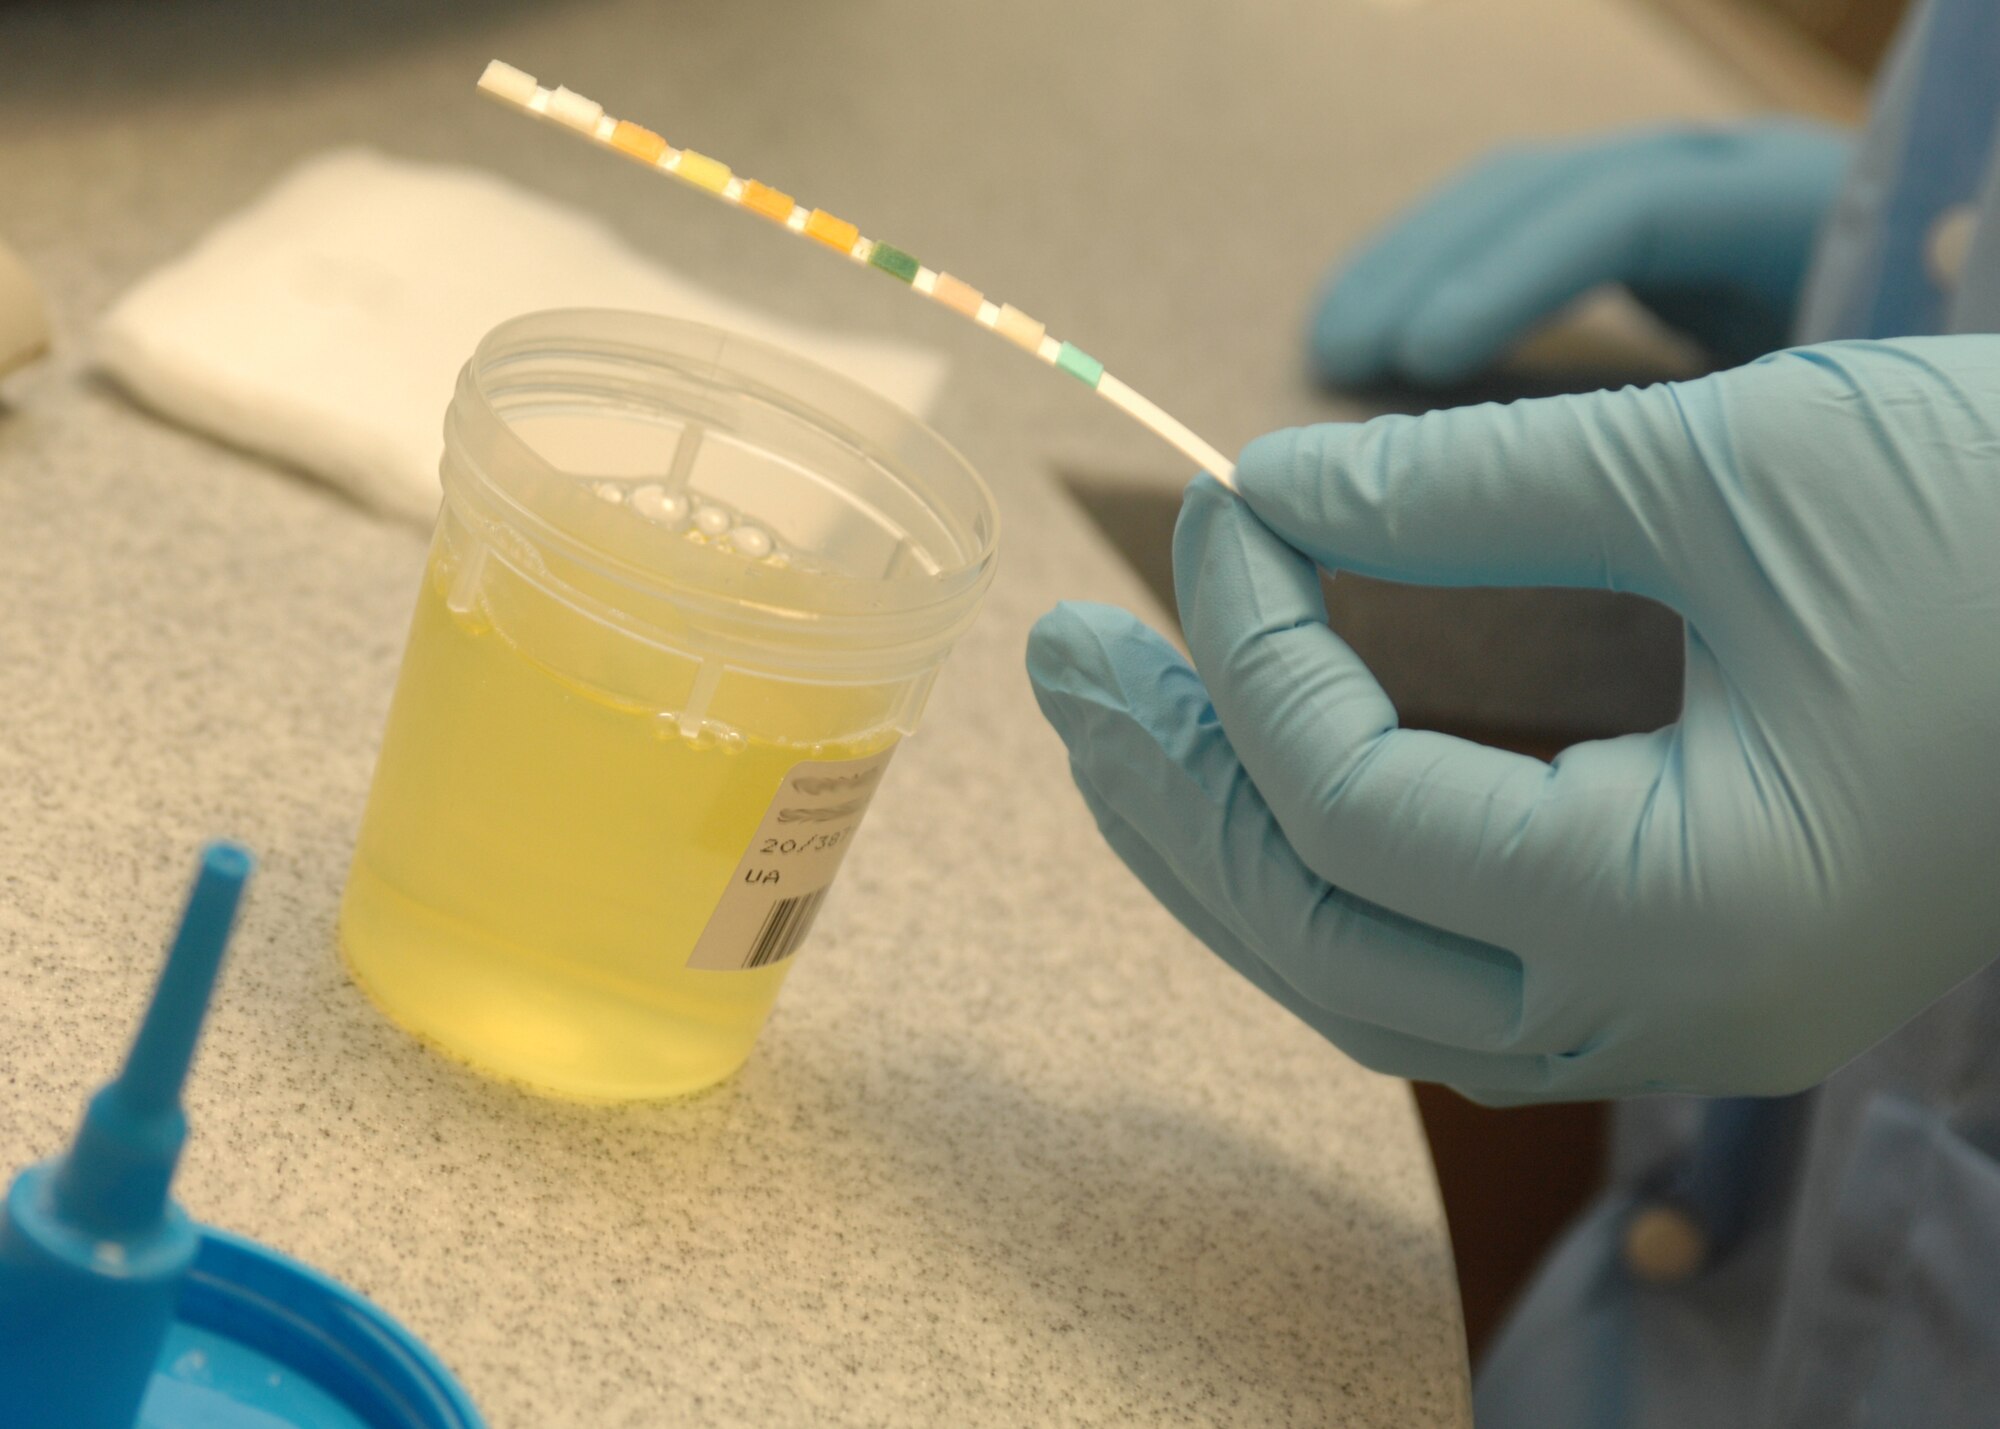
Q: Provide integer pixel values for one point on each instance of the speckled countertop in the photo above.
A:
(1014, 1150)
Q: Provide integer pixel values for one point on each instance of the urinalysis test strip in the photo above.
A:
(586, 117)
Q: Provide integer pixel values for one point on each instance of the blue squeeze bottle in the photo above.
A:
(93, 1250)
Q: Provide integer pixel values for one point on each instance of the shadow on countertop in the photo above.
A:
(66, 57)
(1127, 1231)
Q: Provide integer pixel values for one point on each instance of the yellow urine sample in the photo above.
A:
(537, 861)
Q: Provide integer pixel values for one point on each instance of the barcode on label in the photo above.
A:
(785, 927)
(767, 908)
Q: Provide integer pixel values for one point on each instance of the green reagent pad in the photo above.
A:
(894, 261)
(1079, 364)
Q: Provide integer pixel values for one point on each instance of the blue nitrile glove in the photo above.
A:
(1710, 228)
(1734, 904)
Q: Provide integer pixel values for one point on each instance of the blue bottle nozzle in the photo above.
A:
(92, 1247)
(114, 1179)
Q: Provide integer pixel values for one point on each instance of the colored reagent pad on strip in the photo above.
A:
(572, 111)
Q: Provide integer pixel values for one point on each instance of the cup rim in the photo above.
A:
(474, 421)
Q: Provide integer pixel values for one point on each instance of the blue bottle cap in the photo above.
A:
(262, 1342)
(114, 1304)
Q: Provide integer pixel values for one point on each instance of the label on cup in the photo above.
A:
(774, 895)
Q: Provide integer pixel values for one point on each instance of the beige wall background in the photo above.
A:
(1853, 31)
(1814, 55)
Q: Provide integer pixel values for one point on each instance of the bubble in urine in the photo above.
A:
(711, 520)
(609, 491)
(752, 541)
(473, 620)
(699, 735)
(656, 503)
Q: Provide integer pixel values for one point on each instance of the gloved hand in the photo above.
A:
(1710, 228)
(1734, 904)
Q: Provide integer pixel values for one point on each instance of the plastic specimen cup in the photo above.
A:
(674, 624)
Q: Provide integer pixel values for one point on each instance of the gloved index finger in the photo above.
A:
(1589, 491)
